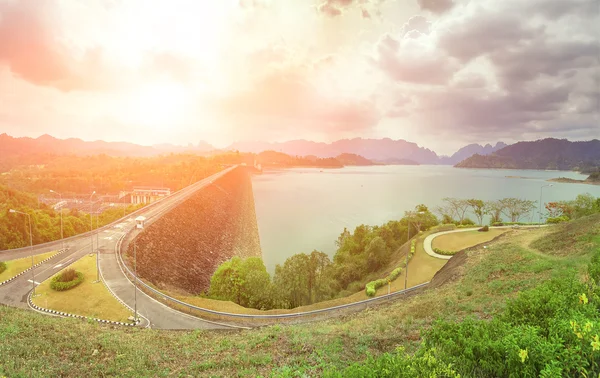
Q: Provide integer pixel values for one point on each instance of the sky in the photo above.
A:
(441, 73)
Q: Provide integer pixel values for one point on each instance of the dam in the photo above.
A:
(181, 249)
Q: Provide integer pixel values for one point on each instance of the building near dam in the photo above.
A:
(146, 194)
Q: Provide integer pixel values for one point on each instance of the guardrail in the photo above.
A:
(166, 299)
(149, 207)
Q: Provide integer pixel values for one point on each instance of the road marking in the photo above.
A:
(37, 283)
(57, 266)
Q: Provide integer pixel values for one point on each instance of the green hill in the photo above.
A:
(556, 154)
(508, 309)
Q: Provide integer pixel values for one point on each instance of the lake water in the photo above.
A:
(302, 209)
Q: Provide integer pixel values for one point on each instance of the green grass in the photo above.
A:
(14, 267)
(460, 240)
(42, 346)
(86, 299)
(580, 235)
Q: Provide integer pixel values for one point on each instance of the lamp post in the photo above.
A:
(135, 280)
(540, 214)
(31, 246)
(410, 214)
(62, 237)
(92, 238)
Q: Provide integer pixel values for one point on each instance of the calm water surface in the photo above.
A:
(302, 209)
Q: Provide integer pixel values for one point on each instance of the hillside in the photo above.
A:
(554, 154)
(470, 150)
(372, 149)
(353, 159)
(525, 291)
(33, 151)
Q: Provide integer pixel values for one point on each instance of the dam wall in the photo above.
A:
(181, 250)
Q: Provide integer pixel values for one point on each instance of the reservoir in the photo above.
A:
(302, 209)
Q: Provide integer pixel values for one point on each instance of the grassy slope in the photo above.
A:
(42, 346)
(421, 268)
(461, 240)
(14, 267)
(87, 299)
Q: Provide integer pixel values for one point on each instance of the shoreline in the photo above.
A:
(566, 180)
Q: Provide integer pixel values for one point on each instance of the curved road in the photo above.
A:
(15, 292)
(429, 239)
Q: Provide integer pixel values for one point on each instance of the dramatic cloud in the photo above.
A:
(333, 8)
(286, 99)
(412, 60)
(436, 6)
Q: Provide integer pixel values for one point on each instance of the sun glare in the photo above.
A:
(158, 105)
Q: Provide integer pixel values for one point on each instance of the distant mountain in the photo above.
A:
(372, 149)
(353, 159)
(557, 154)
(470, 150)
(34, 151)
(397, 161)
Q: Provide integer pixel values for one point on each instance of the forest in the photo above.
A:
(304, 278)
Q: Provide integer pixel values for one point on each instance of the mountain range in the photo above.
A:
(386, 150)
(550, 153)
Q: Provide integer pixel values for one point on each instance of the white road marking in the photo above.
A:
(37, 283)
(57, 266)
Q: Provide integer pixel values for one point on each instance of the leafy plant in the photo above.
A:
(66, 280)
(2, 266)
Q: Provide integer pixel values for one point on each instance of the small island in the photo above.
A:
(594, 179)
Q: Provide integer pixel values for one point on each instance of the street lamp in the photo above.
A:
(31, 246)
(410, 214)
(92, 238)
(540, 214)
(62, 237)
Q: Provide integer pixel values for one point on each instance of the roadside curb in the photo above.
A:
(67, 315)
(119, 299)
(35, 266)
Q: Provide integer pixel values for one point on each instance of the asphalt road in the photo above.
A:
(160, 316)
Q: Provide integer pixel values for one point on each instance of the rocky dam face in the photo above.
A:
(182, 249)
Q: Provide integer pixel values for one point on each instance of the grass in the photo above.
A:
(571, 236)
(421, 268)
(87, 299)
(41, 346)
(460, 240)
(14, 267)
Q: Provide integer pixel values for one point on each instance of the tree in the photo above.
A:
(421, 218)
(455, 208)
(291, 281)
(515, 208)
(495, 209)
(245, 282)
(585, 204)
(377, 253)
(479, 209)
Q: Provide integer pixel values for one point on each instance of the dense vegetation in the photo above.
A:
(548, 153)
(279, 159)
(45, 221)
(304, 279)
(78, 176)
(405, 333)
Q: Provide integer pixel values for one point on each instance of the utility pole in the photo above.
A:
(540, 214)
(135, 280)
(62, 237)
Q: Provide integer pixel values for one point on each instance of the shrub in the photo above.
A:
(555, 220)
(497, 224)
(445, 253)
(467, 222)
(484, 229)
(61, 282)
(2, 266)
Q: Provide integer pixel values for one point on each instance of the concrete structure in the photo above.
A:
(139, 221)
(146, 194)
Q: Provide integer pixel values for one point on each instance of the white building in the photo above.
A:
(145, 194)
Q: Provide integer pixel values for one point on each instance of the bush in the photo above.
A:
(497, 224)
(484, 229)
(467, 222)
(66, 280)
(445, 253)
(2, 266)
(371, 287)
(555, 220)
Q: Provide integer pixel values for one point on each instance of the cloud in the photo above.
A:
(333, 8)
(436, 6)
(365, 13)
(32, 52)
(413, 60)
(285, 102)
